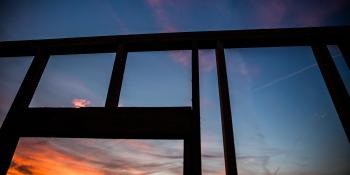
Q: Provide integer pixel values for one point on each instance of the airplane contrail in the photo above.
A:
(285, 77)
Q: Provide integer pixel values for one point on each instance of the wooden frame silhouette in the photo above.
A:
(116, 122)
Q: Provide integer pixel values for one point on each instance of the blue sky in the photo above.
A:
(53, 19)
(284, 121)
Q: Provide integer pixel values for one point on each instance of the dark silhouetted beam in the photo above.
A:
(225, 108)
(345, 50)
(9, 139)
(117, 123)
(181, 40)
(192, 143)
(335, 85)
(116, 81)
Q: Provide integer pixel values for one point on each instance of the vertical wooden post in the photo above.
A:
(116, 81)
(9, 138)
(225, 108)
(335, 85)
(192, 142)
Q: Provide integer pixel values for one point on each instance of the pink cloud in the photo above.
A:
(207, 60)
(221, 172)
(79, 103)
(5, 101)
(275, 13)
(139, 145)
(206, 103)
(269, 13)
(317, 15)
(248, 69)
(207, 63)
(240, 66)
(154, 3)
(181, 57)
(160, 14)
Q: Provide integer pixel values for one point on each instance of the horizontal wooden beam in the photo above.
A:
(117, 123)
(179, 41)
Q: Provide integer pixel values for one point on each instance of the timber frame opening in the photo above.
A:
(116, 122)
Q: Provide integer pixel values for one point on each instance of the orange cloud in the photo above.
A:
(79, 103)
(91, 157)
(44, 160)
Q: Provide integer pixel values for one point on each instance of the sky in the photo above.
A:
(283, 117)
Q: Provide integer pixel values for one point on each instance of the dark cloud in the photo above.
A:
(212, 155)
(24, 169)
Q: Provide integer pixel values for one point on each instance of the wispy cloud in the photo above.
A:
(40, 159)
(262, 162)
(240, 66)
(165, 24)
(269, 13)
(207, 61)
(95, 157)
(112, 12)
(318, 14)
(161, 16)
(207, 103)
(68, 86)
(275, 13)
(247, 69)
(277, 80)
(182, 57)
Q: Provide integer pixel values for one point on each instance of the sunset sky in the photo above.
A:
(284, 120)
